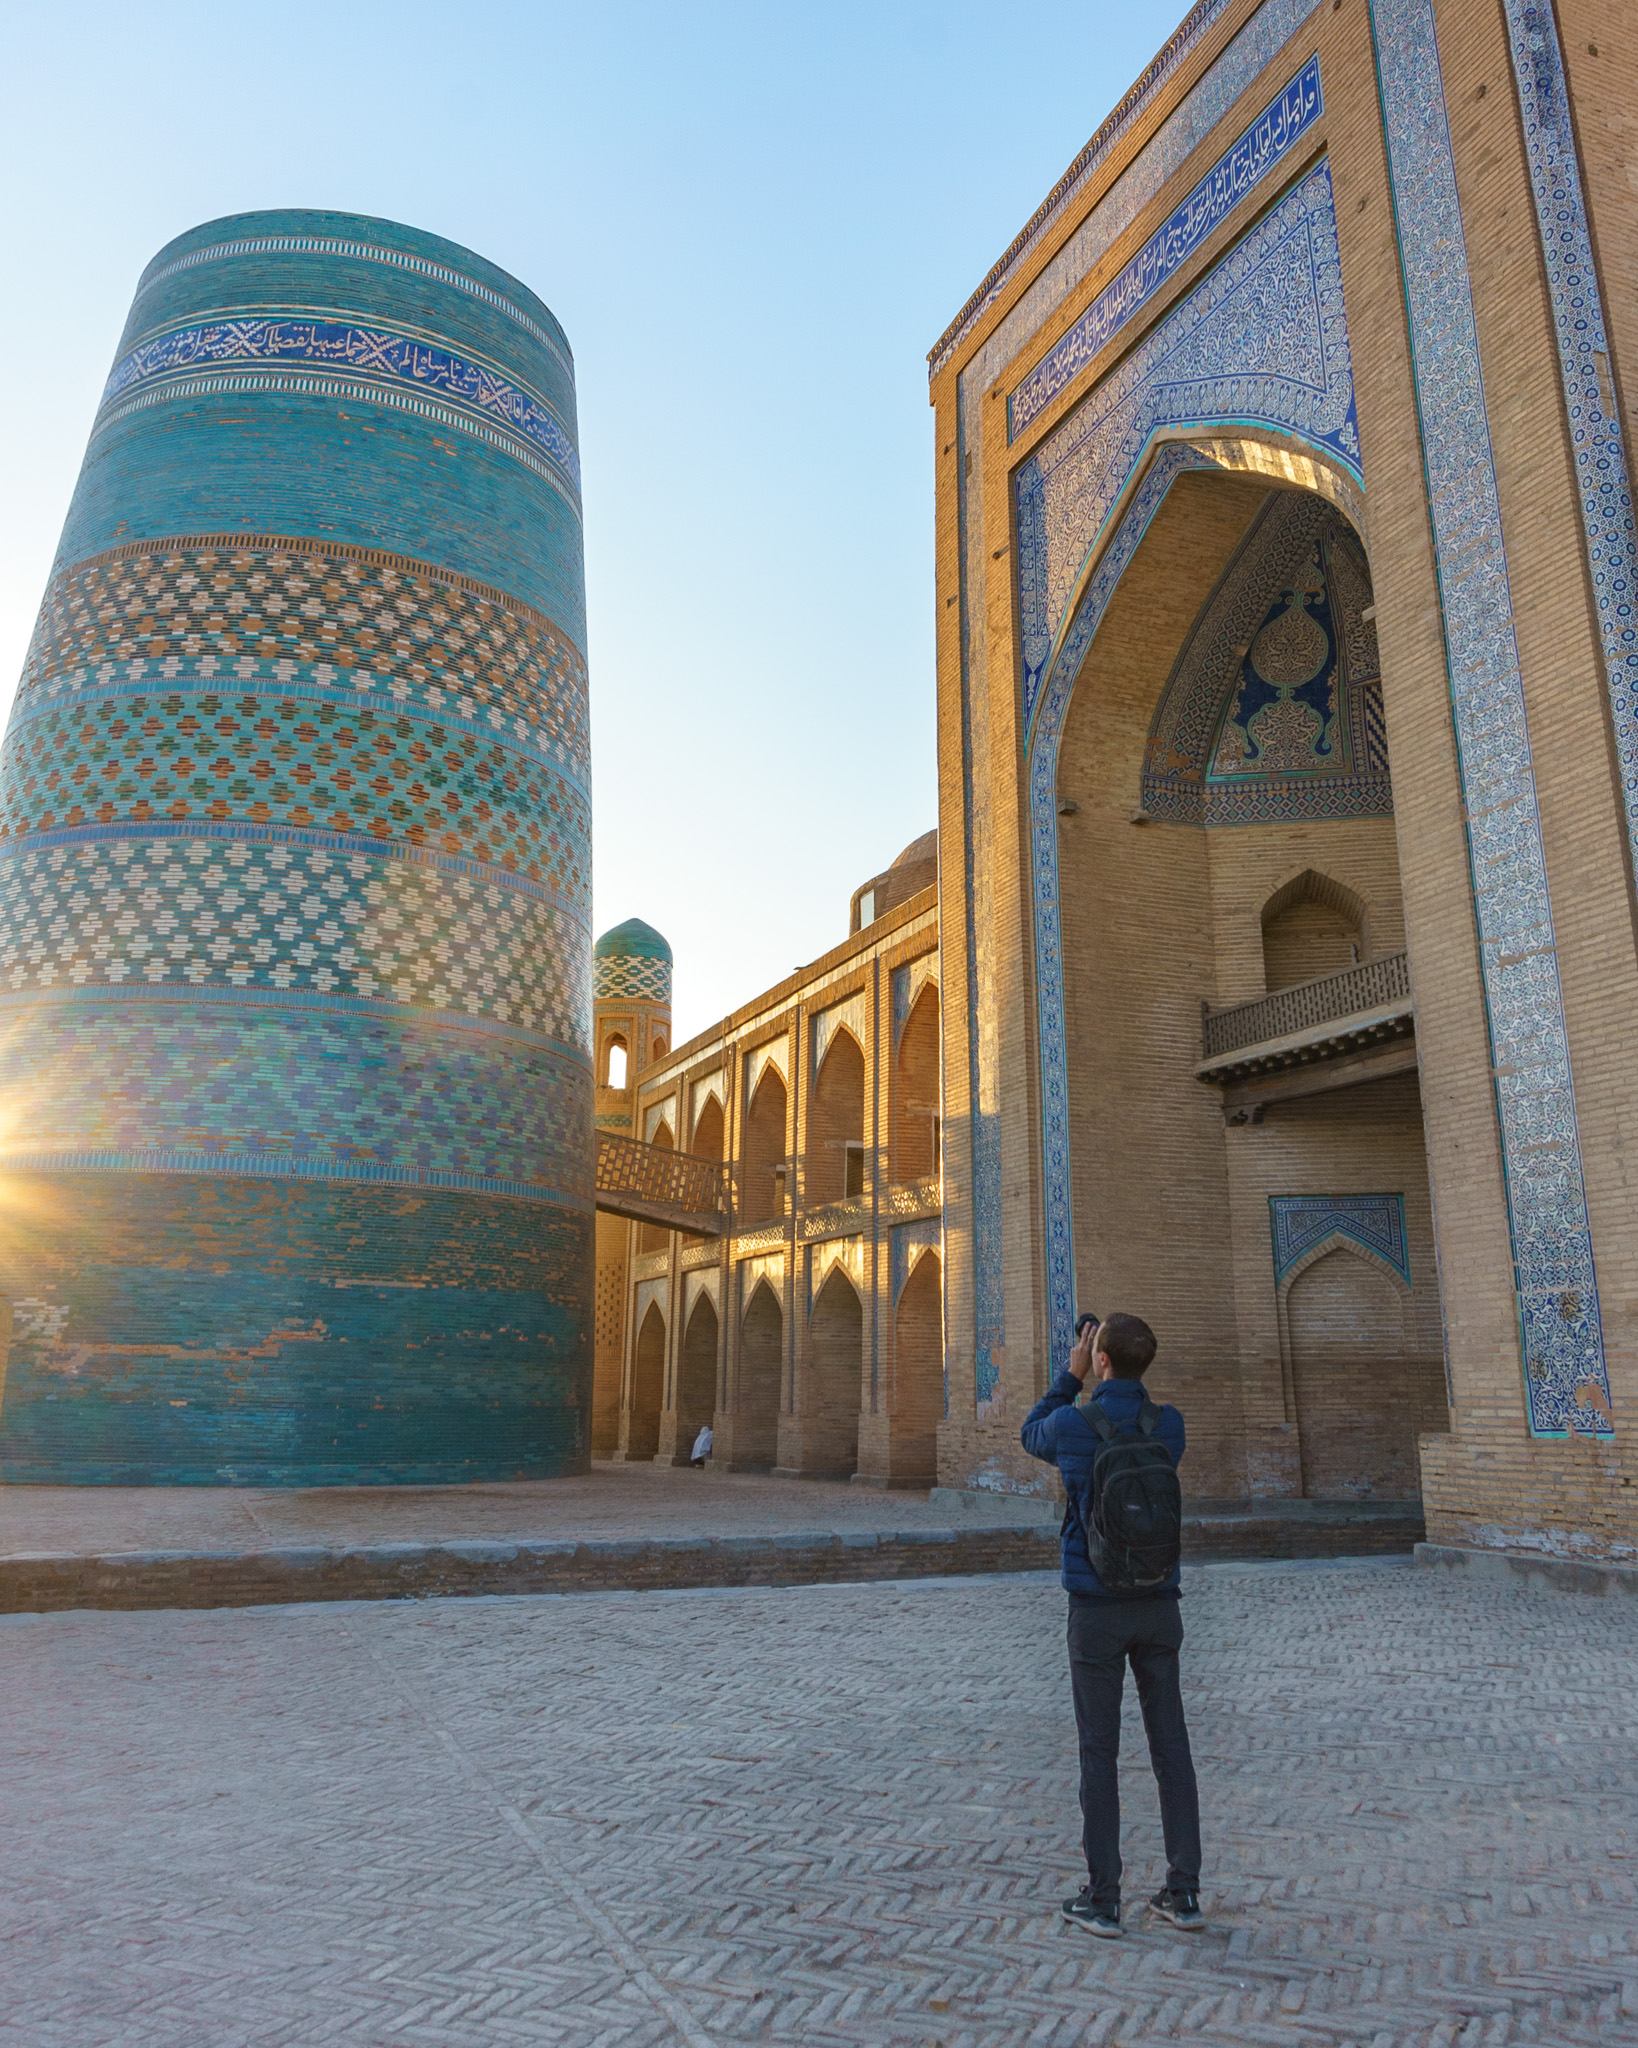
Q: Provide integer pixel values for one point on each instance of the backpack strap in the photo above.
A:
(1093, 1411)
(1148, 1416)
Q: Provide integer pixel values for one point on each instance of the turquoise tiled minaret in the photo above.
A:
(295, 1086)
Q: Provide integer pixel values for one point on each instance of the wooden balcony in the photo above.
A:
(1333, 1032)
(648, 1184)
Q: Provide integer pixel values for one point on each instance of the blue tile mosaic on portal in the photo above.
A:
(295, 888)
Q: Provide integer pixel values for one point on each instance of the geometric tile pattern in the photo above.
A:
(1231, 744)
(265, 912)
(1262, 338)
(1299, 1222)
(1561, 1333)
(1265, 144)
(425, 1821)
(295, 877)
(626, 977)
(1602, 474)
(337, 622)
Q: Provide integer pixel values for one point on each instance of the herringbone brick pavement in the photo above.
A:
(839, 1814)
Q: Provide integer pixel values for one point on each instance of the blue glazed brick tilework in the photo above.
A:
(1602, 473)
(1230, 746)
(293, 615)
(295, 887)
(1561, 1330)
(1300, 1222)
(1261, 339)
(334, 395)
(1265, 145)
(175, 1329)
(239, 1084)
(100, 909)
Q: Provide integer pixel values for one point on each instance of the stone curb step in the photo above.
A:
(1520, 1567)
(45, 1583)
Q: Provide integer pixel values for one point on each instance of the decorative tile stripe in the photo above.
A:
(1602, 473)
(300, 1092)
(1266, 144)
(1212, 95)
(1194, 26)
(363, 252)
(1262, 339)
(1299, 1222)
(169, 757)
(283, 1166)
(250, 914)
(1566, 1380)
(374, 352)
(909, 1242)
(194, 611)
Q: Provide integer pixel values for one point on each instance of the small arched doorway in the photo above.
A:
(697, 1375)
(918, 1373)
(1361, 1394)
(762, 1167)
(835, 1161)
(828, 1403)
(756, 1389)
(647, 1386)
(915, 1091)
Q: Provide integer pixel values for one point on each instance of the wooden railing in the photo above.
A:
(650, 1184)
(1373, 985)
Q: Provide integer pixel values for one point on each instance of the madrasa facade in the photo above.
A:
(1269, 974)
(1282, 952)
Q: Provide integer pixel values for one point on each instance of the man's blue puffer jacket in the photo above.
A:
(1055, 1430)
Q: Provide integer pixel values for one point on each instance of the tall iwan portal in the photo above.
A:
(295, 1096)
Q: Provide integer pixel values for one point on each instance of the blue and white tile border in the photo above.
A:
(1566, 1381)
(1264, 146)
(1602, 474)
(1299, 1223)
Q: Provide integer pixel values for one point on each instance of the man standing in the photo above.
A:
(1110, 1628)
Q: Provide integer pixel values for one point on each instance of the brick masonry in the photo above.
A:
(1084, 1163)
(841, 1815)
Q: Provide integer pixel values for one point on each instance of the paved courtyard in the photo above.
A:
(839, 1814)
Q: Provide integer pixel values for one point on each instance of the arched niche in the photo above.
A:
(836, 1109)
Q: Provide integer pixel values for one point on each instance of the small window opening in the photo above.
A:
(779, 1188)
(938, 1146)
(867, 907)
(855, 1168)
(656, 1049)
(616, 1072)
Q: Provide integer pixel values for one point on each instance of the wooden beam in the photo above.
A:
(1320, 1077)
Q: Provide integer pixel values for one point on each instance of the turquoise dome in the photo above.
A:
(632, 963)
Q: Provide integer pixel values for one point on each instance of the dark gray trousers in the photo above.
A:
(1104, 1637)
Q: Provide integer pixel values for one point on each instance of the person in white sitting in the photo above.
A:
(702, 1446)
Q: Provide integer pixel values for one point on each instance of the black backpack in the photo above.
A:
(1134, 1531)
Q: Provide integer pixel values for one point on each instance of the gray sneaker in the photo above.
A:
(1084, 1911)
(1182, 1909)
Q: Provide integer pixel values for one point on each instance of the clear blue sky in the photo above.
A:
(752, 221)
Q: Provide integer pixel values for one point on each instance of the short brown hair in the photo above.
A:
(1128, 1343)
